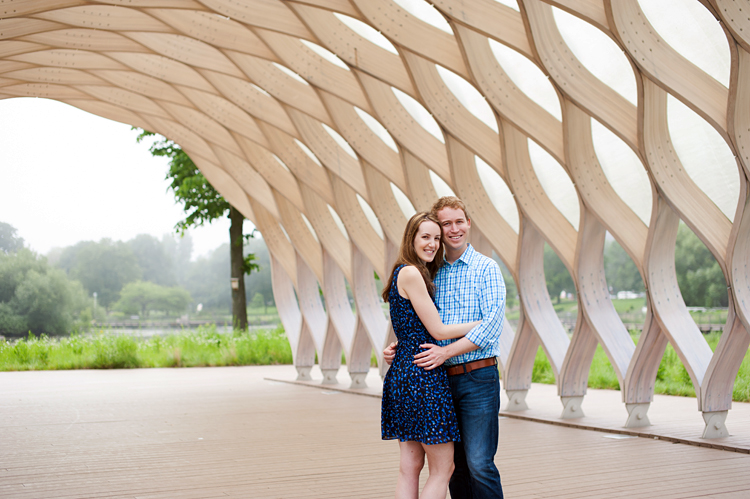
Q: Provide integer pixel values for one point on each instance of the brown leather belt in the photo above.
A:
(471, 366)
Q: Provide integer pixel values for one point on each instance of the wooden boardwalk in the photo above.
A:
(230, 432)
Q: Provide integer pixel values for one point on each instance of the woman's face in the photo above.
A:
(427, 241)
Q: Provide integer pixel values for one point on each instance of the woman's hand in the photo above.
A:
(390, 353)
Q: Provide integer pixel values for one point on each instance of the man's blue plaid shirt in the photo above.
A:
(472, 289)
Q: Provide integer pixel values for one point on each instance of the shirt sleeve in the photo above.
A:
(492, 305)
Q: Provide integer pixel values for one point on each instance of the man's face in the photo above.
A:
(455, 228)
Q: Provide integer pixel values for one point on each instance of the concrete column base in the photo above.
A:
(303, 373)
(358, 380)
(329, 376)
(637, 415)
(516, 400)
(715, 427)
(572, 407)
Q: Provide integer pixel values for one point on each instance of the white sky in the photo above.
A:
(68, 176)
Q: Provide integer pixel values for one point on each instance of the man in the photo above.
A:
(469, 287)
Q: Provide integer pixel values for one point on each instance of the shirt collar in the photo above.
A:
(466, 257)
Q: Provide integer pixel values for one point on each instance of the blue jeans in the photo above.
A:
(476, 396)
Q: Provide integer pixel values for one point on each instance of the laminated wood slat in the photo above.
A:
(404, 128)
(451, 114)
(226, 113)
(491, 18)
(356, 50)
(285, 88)
(404, 29)
(218, 31)
(86, 39)
(270, 168)
(364, 141)
(60, 76)
(162, 68)
(18, 27)
(253, 100)
(267, 14)
(142, 84)
(336, 160)
(105, 17)
(304, 168)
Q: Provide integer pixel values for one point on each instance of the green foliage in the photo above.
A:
(208, 276)
(629, 305)
(201, 201)
(36, 297)
(621, 272)
(258, 301)
(156, 264)
(556, 274)
(103, 267)
(698, 273)
(203, 204)
(142, 297)
(542, 371)
(115, 352)
(9, 242)
(671, 379)
(248, 264)
(204, 347)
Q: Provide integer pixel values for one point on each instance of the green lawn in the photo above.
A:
(204, 347)
(207, 347)
(671, 379)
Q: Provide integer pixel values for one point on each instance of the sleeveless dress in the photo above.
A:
(417, 404)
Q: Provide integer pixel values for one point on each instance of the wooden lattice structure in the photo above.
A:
(327, 154)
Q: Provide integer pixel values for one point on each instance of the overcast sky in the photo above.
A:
(68, 176)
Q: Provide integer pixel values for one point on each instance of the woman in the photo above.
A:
(417, 405)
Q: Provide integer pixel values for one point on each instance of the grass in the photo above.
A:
(201, 348)
(206, 347)
(671, 379)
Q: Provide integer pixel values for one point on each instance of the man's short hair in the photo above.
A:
(449, 202)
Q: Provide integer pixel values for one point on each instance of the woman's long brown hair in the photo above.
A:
(407, 255)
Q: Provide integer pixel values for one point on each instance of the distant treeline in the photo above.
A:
(54, 294)
(109, 266)
(698, 273)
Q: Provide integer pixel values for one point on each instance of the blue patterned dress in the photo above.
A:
(417, 404)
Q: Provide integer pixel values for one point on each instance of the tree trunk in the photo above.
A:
(239, 308)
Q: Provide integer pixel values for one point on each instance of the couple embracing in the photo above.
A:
(447, 304)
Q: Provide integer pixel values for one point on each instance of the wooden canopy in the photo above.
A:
(327, 122)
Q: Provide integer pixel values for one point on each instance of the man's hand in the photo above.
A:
(390, 353)
(434, 356)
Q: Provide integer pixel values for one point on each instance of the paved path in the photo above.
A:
(230, 432)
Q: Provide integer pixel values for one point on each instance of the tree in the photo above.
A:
(258, 301)
(180, 251)
(142, 297)
(36, 297)
(699, 276)
(156, 265)
(208, 277)
(621, 272)
(556, 274)
(260, 282)
(9, 242)
(103, 267)
(204, 204)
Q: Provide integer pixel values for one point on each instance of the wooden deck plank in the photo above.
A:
(228, 432)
